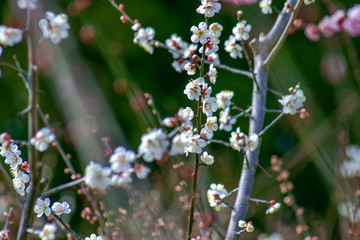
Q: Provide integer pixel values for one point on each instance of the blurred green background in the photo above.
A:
(92, 86)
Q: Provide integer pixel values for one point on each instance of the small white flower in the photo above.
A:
(24, 4)
(237, 140)
(55, 27)
(200, 33)
(193, 89)
(121, 158)
(48, 232)
(190, 50)
(122, 179)
(241, 31)
(265, 6)
(273, 208)
(211, 124)
(179, 143)
(20, 181)
(61, 208)
(242, 223)
(205, 133)
(94, 237)
(141, 170)
(97, 177)
(169, 122)
(185, 115)
(10, 36)
(225, 120)
(215, 194)
(233, 48)
(209, 106)
(42, 207)
(8, 148)
(178, 65)
(223, 99)
(215, 29)
(207, 159)
(293, 102)
(190, 68)
(214, 58)
(308, 2)
(210, 47)
(144, 37)
(153, 145)
(136, 26)
(205, 91)
(208, 8)
(196, 144)
(43, 138)
(251, 143)
(14, 159)
(176, 46)
(212, 74)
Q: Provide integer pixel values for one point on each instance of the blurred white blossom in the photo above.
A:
(97, 177)
(43, 138)
(55, 27)
(10, 36)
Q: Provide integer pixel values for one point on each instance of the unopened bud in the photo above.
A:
(239, 14)
(195, 58)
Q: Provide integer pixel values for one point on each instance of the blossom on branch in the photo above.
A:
(200, 33)
(153, 145)
(55, 27)
(294, 101)
(97, 177)
(43, 138)
(241, 31)
(208, 8)
(215, 195)
(233, 48)
(94, 237)
(121, 158)
(42, 207)
(61, 208)
(10, 36)
(48, 232)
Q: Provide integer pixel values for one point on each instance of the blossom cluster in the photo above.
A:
(340, 21)
(240, 33)
(294, 101)
(42, 207)
(241, 142)
(248, 226)
(19, 169)
(119, 173)
(215, 195)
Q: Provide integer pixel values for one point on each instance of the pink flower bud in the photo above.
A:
(312, 32)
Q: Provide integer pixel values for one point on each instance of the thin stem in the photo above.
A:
(271, 124)
(8, 218)
(226, 144)
(35, 175)
(233, 70)
(12, 67)
(61, 222)
(62, 187)
(257, 201)
(274, 111)
(274, 92)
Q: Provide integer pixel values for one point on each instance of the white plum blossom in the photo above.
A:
(233, 48)
(223, 98)
(121, 158)
(241, 31)
(200, 33)
(144, 37)
(153, 145)
(190, 50)
(212, 74)
(14, 159)
(190, 68)
(179, 143)
(61, 208)
(43, 138)
(206, 158)
(205, 133)
(185, 115)
(193, 89)
(122, 179)
(273, 208)
(24, 4)
(94, 237)
(48, 232)
(211, 124)
(136, 26)
(169, 122)
(8, 149)
(210, 47)
(265, 6)
(225, 120)
(42, 207)
(178, 65)
(215, 194)
(20, 181)
(293, 102)
(97, 177)
(10, 36)
(176, 46)
(215, 30)
(237, 140)
(251, 142)
(55, 27)
(351, 167)
(208, 8)
(196, 144)
(141, 170)
(209, 106)
(205, 91)
(214, 58)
